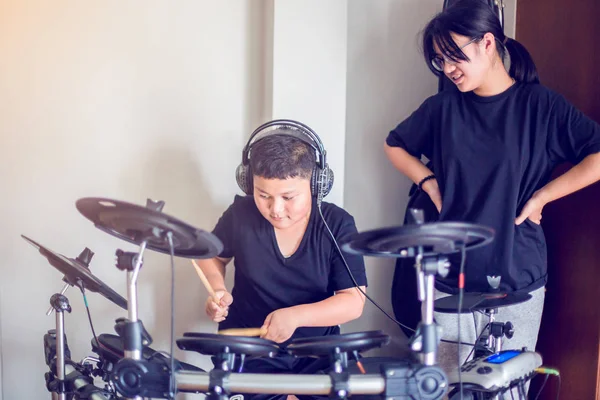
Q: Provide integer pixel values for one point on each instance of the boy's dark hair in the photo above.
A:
(282, 157)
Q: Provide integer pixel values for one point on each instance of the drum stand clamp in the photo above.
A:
(217, 382)
(339, 384)
(66, 379)
(406, 381)
(428, 335)
(491, 339)
(56, 347)
(143, 378)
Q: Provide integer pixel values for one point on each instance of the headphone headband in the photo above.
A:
(287, 127)
(321, 179)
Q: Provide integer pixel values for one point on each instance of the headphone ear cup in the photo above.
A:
(322, 181)
(328, 178)
(243, 176)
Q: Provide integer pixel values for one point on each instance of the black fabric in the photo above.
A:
(490, 154)
(266, 281)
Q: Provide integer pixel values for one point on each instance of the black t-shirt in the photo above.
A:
(489, 155)
(266, 281)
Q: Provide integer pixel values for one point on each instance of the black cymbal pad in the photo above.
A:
(439, 238)
(74, 270)
(136, 224)
(479, 302)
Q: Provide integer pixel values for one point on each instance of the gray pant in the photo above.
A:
(526, 318)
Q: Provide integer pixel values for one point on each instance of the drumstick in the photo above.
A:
(204, 280)
(243, 332)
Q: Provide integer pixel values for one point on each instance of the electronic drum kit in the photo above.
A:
(131, 369)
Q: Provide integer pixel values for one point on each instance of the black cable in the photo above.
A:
(522, 390)
(352, 275)
(87, 308)
(461, 290)
(159, 353)
(365, 294)
(542, 387)
(558, 390)
(165, 357)
(477, 340)
(111, 387)
(172, 375)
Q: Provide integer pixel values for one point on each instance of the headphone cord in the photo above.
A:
(339, 250)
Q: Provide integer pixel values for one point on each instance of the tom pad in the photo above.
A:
(348, 342)
(213, 344)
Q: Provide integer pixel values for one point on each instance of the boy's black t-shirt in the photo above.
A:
(490, 155)
(266, 281)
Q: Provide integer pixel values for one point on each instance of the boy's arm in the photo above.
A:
(345, 306)
(214, 269)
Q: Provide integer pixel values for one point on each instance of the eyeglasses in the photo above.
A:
(438, 61)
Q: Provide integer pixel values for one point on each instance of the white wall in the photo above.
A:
(387, 80)
(510, 17)
(309, 73)
(123, 101)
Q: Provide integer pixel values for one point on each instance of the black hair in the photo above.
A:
(475, 18)
(282, 157)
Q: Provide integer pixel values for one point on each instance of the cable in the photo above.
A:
(521, 390)
(352, 275)
(363, 292)
(165, 358)
(542, 387)
(549, 371)
(359, 364)
(477, 340)
(242, 360)
(171, 376)
(87, 308)
(461, 290)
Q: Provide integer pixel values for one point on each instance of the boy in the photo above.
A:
(289, 276)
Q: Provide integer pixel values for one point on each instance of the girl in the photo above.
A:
(493, 144)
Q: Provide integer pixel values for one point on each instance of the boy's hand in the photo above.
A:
(280, 325)
(217, 307)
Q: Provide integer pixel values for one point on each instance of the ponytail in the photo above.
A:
(522, 67)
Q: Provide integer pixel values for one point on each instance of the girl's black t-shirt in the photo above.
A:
(490, 155)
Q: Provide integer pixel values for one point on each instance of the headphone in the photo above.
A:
(321, 180)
